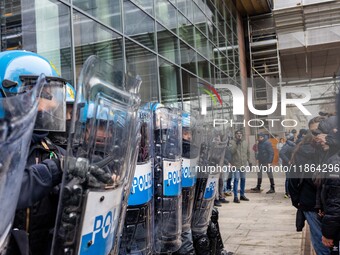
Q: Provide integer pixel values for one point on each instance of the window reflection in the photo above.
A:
(185, 6)
(193, 39)
(146, 5)
(202, 67)
(49, 35)
(201, 43)
(188, 57)
(92, 38)
(190, 86)
(142, 62)
(166, 14)
(107, 11)
(138, 25)
(199, 16)
(167, 44)
(186, 30)
(170, 82)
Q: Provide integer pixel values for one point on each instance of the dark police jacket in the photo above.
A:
(38, 202)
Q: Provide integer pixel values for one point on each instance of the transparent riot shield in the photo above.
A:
(101, 144)
(167, 179)
(17, 117)
(190, 156)
(211, 160)
(137, 237)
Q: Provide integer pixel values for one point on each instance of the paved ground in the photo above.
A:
(264, 225)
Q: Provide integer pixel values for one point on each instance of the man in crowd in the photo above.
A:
(240, 157)
(264, 158)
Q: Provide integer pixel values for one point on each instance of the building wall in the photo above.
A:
(172, 45)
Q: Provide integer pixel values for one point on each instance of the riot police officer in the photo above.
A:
(17, 114)
(38, 197)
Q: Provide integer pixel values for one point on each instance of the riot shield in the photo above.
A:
(167, 179)
(102, 142)
(137, 234)
(211, 156)
(190, 157)
(17, 117)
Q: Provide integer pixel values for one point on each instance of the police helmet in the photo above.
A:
(20, 71)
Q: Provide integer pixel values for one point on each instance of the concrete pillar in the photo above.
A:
(243, 70)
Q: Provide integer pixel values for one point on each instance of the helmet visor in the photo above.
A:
(52, 108)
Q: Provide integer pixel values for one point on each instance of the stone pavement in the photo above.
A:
(264, 225)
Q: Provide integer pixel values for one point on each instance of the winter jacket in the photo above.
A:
(265, 153)
(240, 153)
(286, 152)
(40, 193)
(301, 186)
(330, 197)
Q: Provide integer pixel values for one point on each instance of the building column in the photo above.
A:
(243, 71)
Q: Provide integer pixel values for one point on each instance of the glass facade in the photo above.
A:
(168, 43)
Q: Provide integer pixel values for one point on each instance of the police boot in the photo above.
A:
(202, 245)
(212, 233)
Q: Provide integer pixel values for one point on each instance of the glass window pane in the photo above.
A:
(210, 30)
(220, 7)
(199, 16)
(138, 25)
(230, 68)
(188, 57)
(201, 43)
(221, 41)
(221, 24)
(202, 27)
(45, 30)
(216, 57)
(107, 11)
(167, 44)
(223, 63)
(190, 86)
(229, 34)
(146, 5)
(200, 4)
(211, 49)
(202, 67)
(166, 14)
(215, 39)
(213, 72)
(185, 6)
(185, 30)
(90, 38)
(143, 62)
(210, 11)
(227, 16)
(169, 77)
